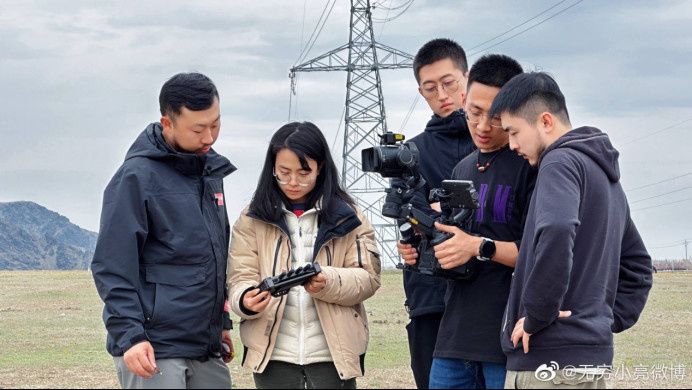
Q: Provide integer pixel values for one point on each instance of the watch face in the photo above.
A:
(488, 249)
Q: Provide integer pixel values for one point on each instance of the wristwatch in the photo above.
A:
(487, 250)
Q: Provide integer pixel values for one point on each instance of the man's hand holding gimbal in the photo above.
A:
(408, 253)
(457, 250)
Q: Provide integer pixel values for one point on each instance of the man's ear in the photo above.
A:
(546, 122)
(166, 123)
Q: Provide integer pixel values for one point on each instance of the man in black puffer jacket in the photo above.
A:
(161, 256)
(441, 71)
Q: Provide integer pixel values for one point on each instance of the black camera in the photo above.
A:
(391, 159)
(455, 195)
(400, 161)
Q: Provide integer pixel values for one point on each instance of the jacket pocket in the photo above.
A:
(175, 275)
(179, 293)
(365, 249)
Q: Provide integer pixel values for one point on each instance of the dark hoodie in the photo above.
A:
(580, 252)
(161, 255)
(444, 143)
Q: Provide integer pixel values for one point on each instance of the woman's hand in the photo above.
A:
(316, 284)
(255, 301)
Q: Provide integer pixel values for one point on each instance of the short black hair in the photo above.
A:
(528, 95)
(194, 91)
(494, 70)
(439, 49)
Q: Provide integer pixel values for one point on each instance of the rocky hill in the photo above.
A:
(35, 238)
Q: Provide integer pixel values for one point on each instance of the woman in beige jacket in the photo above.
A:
(316, 336)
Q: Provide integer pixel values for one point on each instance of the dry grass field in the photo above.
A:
(52, 336)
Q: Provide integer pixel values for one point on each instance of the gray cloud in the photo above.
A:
(80, 79)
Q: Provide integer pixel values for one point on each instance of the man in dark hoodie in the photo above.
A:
(583, 272)
(161, 255)
(441, 71)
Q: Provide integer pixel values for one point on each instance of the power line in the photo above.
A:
(657, 183)
(515, 27)
(671, 243)
(658, 196)
(656, 132)
(313, 33)
(394, 17)
(302, 34)
(319, 32)
(338, 129)
(385, 24)
(390, 8)
(410, 111)
(677, 243)
(527, 29)
(665, 204)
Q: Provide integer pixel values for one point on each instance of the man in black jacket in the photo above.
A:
(441, 70)
(468, 354)
(583, 271)
(161, 256)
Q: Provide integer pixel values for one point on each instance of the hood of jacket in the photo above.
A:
(452, 124)
(151, 144)
(593, 143)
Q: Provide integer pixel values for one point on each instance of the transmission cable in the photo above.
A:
(657, 183)
(665, 204)
(516, 27)
(657, 132)
(301, 55)
(318, 33)
(658, 196)
(527, 29)
(390, 8)
(410, 111)
(394, 17)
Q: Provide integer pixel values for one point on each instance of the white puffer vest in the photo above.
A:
(301, 339)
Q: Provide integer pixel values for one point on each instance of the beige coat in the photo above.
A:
(301, 339)
(351, 265)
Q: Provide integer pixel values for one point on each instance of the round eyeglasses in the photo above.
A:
(432, 91)
(285, 178)
(476, 118)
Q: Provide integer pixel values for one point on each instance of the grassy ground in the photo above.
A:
(51, 336)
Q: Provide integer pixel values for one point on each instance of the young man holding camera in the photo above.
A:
(468, 352)
(441, 69)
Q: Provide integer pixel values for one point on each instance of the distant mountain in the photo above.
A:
(33, 237)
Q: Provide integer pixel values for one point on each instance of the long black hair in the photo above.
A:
(305, 140)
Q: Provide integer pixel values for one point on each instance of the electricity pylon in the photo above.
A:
(363, 58)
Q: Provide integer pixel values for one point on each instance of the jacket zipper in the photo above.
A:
(276, 258)
(360, 260)
(301, 336)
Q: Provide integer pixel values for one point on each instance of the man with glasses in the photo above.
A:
(468, 352)
(440, 69)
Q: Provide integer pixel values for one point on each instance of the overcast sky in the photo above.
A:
(79, 80)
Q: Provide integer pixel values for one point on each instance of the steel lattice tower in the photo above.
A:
(363, 58)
